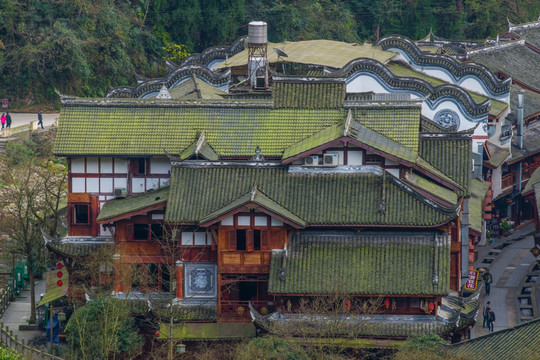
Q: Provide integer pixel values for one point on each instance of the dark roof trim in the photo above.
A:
(419, 85)
(455, 68)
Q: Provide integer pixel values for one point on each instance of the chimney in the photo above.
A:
(258, 55)
(520, 120)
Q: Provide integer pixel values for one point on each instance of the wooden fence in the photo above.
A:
(8, 339)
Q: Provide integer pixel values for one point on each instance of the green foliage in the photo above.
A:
(505, 226)
(9, 354)
(271, 348)
(103, 329)
(425, 347)
(175, 52)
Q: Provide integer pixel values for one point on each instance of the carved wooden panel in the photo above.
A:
(79, 197)
(232, 258)
(252, 258)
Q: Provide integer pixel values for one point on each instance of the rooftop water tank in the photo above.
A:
(257, 32)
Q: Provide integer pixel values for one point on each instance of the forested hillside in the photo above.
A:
(86, 47)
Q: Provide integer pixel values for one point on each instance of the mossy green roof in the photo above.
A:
(364, 264)
(199, 147)
(518, 342)
(451, 155)
(118, 207)
(432, 188)
(307, 95)
(497, 155)
(400, 124)
(79, 248)
(330, 53)
(322, 137)
(333, 199)
(479, 189)
(195, 88)
(139, 128)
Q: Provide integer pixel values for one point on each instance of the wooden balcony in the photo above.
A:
(507, 181)
(242, 260)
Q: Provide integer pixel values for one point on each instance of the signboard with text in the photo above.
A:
(472, 281)
(5, 103)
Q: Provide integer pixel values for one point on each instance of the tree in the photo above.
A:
(102, 329)
(22, 198)
(426, 347)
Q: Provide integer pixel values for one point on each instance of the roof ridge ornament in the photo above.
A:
(163, 93)
(200, 143)
(258, 156)
(348, 123)
(253, 191)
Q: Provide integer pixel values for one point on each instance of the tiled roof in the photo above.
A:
(118, 207)
(430, 126)
(400, 124)
(80, 248)
(346, 325)
(334, 54)
(363, 264)
(307, 95)
(317, 198)
(517, 61)
(452, 155)
(479, 189)
(533, 180)
(518, 342)
(322, 137)
(497, 155)
(531, 145)
(140, 128)
(199, 147)
(531, 103)
(531, 34)
(208, 331)
(256, 197)
(433, 188)
(195, 88)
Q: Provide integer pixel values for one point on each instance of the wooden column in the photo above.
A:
(179, 279)
(117, 266)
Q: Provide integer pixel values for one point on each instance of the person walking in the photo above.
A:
(40, 119)
(488, 279)
(8, 120)
(3, 120)
(491, 319)
(484, 324)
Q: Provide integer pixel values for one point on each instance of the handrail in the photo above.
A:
(7, 338)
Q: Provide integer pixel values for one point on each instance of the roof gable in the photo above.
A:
(120, 208)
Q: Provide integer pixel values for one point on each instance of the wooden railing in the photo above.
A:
(507, 180)
(7, 338)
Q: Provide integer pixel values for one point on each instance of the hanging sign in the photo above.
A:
(472, 281)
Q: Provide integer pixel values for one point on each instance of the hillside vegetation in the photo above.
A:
(87, 47)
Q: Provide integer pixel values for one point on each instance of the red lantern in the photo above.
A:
(431, 306)
(59, 274)
(59, 265)
(59, 283)
(347, 303)
(157, 334)
(387, 302)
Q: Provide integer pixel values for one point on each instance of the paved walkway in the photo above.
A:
(509, 267)
(19, 119)
(18, 312)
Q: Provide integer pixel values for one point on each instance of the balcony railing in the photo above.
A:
(507, 181)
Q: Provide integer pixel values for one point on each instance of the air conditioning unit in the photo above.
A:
(331, 159)
(120, 192)
(311, 161)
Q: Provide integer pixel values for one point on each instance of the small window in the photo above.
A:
(139, 166)
(157, 231)
(241, 240)
(372, 159)
(81, 214)
(140, 232)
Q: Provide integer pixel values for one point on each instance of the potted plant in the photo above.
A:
(506, 228)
